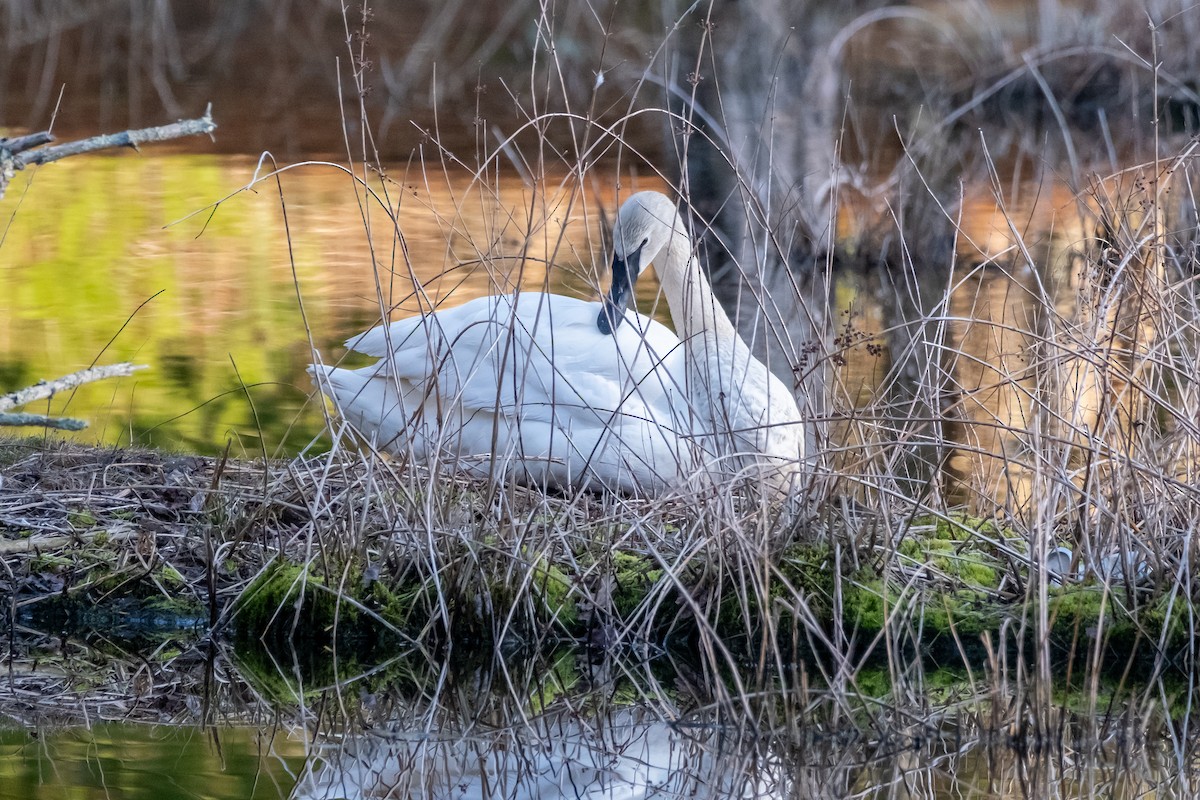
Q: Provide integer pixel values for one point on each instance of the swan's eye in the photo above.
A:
(645, 241)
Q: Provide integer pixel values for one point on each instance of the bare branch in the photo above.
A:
(187, 127)
(16, 154)
(42, 421)
(19, 144)
(45, 543)
(44, 389)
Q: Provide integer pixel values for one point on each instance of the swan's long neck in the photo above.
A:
(698, 316)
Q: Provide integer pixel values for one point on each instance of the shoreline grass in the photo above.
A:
(345, 547)
(963, 512)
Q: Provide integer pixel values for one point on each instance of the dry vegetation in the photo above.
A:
(1016, 496)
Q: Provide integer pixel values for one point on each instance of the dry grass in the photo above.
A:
(1038, 398)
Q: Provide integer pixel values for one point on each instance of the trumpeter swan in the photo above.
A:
(552, 390)
(747, 417)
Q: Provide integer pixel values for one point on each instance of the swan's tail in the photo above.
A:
(343, 386)
(369, 402)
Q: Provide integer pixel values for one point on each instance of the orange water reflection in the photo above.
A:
(132, 250)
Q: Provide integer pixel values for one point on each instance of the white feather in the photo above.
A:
(526, 386)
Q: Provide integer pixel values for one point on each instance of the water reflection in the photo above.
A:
(577, 727)
(252, 724)
(125, 270)
(115, 759)
(629, 753)
(1054, 325)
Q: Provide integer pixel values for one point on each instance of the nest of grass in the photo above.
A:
(104, 524)
(372, 557)
(133, 541)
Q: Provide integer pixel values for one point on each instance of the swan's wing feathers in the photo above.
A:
(530, 379)
(381, 339)
(426, 331)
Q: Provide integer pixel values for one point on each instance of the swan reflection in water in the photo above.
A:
(628, 754)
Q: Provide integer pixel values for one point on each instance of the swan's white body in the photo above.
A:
(522, 386)
(529, 386)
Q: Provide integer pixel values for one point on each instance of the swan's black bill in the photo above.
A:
(625, 274)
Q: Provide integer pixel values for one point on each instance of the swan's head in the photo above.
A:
(645, 224)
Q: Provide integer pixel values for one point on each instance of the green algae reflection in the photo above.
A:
(91, 272)
(119, 258)
(164, 762)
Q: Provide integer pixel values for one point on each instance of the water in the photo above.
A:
(139, 263)
(571, 726)
(121, 760)
(159, 258)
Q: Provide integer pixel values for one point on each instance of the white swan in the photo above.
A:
(551, 390)
(521, 386)
(748, 419)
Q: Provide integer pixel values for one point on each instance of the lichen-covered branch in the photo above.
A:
(18, 153)
(41, 421)
(19, 144)
(45, 389)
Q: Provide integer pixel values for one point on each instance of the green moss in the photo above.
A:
(169, 577)
(1088, 608)
(808, 568)
(1075, 608)
(939, 685)
(965, 612)
(561, 680)
(911, 547)
(977, 574)
(393, 605)
(177, 606)
(471, 602)
(874, 681)
(167, 654)
(81, 518)
(869, 604)
(290, 598)
(634, 576)
(960, 527)
(49, 562)
(805, 571)
(958, 547)
(554, 589)
(1171, 615)
(865, 603)
(1077, 602)
(106, 574)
